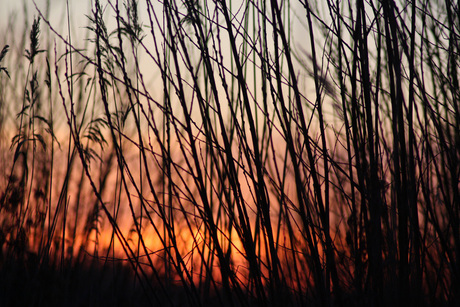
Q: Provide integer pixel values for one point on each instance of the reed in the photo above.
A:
(233, 153)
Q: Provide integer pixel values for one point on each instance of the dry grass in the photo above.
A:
(233, 153)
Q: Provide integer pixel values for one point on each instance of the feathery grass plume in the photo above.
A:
(2, 55)
(34, 37)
